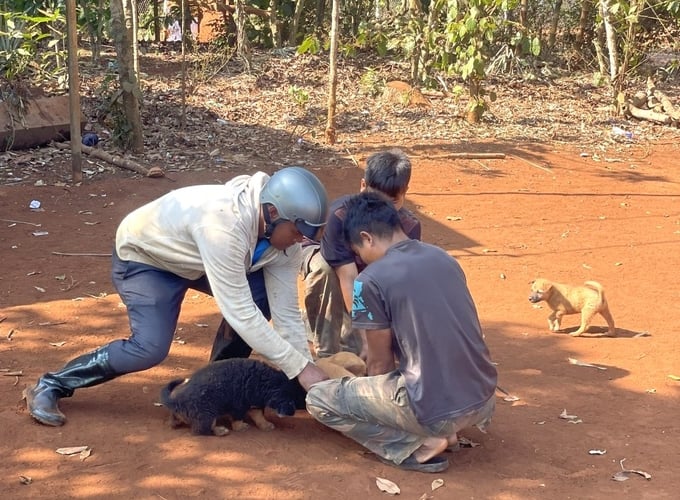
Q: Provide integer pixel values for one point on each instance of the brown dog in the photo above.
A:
(566, 299)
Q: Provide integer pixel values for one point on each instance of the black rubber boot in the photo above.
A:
(84, 371)
(228, 344)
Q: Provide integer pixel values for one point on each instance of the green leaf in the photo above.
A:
(536, 46)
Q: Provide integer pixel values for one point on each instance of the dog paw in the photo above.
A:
(265, 426)
(239, 425)
(575, 334)
(220, 430)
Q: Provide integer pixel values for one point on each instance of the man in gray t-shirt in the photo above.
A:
(429, 370)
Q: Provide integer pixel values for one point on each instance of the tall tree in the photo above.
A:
(333, 73)
(123, 37)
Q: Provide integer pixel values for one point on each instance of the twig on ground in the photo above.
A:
(21, 222)
(86, 254)
(351, 156)
(545, 169)
(484, 166)
(464, 156)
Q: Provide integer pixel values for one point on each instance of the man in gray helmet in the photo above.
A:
(238, 242)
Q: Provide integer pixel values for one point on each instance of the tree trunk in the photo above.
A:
(629, 48)
(156, 22)
(584, 23)
(523, 13)
(121, 31)
(432, 26)
(333, 73)
(523, 21)
(415, 10)
(554, 22)
(612, 46)
(320, 12)
(598, 42)
(275, 23)
(242, 43)
(295, 24)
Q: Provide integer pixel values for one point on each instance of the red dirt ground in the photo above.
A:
(539, 212)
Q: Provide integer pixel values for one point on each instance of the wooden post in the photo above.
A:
(74, 90)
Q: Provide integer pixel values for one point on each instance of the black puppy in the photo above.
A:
(230, 387)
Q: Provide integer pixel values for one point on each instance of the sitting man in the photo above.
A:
(429, 370)
(329, 269)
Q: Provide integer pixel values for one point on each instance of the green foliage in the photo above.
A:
(30, 47)
(94, 21)
(299, 95)
(370, 83)
(110, 111)
(673, 8)
(310, 45)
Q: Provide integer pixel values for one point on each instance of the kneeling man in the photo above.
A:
(429, 369)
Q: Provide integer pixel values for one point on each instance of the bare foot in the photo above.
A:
(452, 439)
(432, 447)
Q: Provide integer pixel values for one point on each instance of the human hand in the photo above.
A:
(311, 375)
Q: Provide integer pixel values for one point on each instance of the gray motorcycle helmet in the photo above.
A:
(298, 196)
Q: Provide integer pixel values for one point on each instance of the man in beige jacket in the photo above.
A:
(240, 242)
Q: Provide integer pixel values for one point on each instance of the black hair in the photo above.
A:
(372, 212)
(388, 172)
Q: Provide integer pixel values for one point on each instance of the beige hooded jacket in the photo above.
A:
(212, 230)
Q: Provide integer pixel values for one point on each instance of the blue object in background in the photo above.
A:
(91, 139)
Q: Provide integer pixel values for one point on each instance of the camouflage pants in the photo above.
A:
(375, 412)
(329, 326)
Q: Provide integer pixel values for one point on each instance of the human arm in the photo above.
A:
(346, 274)
(310, 375)
(224, 253)
(380, 357)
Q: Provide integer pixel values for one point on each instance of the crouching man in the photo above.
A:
(429, 370)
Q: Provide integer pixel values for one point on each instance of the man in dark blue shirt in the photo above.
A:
(329, 268)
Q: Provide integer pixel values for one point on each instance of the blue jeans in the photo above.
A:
(375, 412)
(153, 298)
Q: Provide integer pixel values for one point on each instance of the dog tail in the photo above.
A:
(166, 392)
(597, 287)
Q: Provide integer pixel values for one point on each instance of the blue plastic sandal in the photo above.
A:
(433, 465)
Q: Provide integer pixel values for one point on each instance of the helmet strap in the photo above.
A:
(269, 226)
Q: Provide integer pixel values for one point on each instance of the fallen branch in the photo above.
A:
(116, 160)
(466, 156)
(66, 254)
(629, 109)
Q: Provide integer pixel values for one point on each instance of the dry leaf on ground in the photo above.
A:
(624, 474)
(71, 450)
(574, 361)
(387, 486)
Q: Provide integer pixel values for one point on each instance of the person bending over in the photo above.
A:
(239, 242)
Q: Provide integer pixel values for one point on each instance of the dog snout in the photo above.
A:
(534, 297)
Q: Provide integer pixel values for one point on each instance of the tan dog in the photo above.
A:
(342, 364)
(566, 299)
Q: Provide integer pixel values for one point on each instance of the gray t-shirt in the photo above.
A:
(420, 292)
